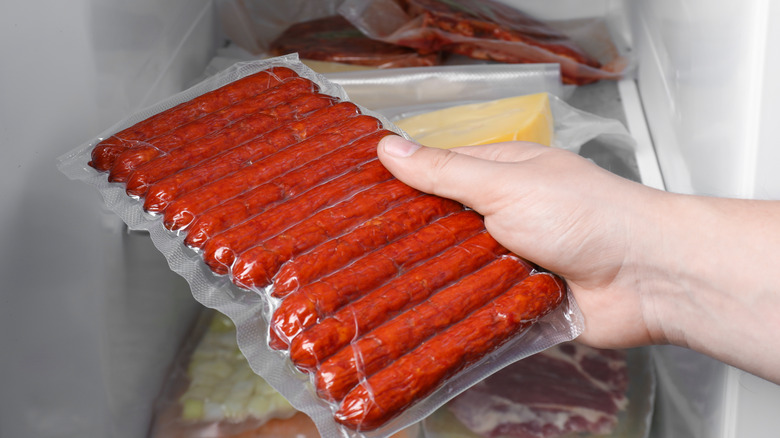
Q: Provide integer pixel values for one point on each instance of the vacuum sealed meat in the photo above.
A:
(335, 39)
(343, 281)
(482, 29)
(565, 389)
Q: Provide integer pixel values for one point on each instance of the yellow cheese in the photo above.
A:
(526, 118)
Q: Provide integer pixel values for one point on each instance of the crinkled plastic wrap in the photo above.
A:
(352, 294)
(491, 30)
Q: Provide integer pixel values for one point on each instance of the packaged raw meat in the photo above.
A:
(335, 39)
(311, 184)
(487, 30)
(569, 390)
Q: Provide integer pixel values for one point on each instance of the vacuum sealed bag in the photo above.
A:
(352, 294)
(334, 39)
(493, 31)
(212, 392)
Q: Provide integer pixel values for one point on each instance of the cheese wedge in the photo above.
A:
(526, 118)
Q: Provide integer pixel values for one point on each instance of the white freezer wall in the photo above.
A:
(84, 342)
(707, 75)
(708, 79)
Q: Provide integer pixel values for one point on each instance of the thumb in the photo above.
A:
(441, 172)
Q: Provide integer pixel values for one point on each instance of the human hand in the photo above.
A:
(556, 209)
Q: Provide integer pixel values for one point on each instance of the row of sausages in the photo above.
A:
(383, 292)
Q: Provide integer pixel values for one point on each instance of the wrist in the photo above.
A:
(712, 277)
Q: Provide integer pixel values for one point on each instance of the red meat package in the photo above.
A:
(569, 390)
(335, 39)
(363, 301)
(488, 30)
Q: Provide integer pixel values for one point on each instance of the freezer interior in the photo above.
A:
(92, 314)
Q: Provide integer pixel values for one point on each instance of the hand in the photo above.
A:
(645, 266)
(555, 209)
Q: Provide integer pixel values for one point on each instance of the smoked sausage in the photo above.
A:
(381, 230)
(298, 180)
(220, 251)
(273, 154)
(255, 267)
(105, 152)
(166, 190)
(308, 304)
(195, 152)
(415, 375)
(380, 347)
(330, 335)
(268, 102)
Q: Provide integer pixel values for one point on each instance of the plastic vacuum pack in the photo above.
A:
(327, 211)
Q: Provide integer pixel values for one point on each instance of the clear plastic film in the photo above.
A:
(494, 31)
(325, 208)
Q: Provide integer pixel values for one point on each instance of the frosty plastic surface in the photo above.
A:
(316, 238)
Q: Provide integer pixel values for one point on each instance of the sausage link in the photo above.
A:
(220, 251)
(381, 230)
(161, 193)
(271, 155)
(380, 347)
(330, 335)
(202, 149)
(104, 154)
(420, 372)
(255, 267)
(254, 201)
(264, 103)
(308, 304)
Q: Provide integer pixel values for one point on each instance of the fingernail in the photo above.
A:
(398, 146)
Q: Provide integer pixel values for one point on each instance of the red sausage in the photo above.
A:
(381, 230)
(380, 347)
(105, 152)
(271, 156)
(161, 193)
(220, 251)
(263, 103)
(308, 304)
(330, 335)
(300, 179)
(417, 374)
(202, 149)
(255, 267)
